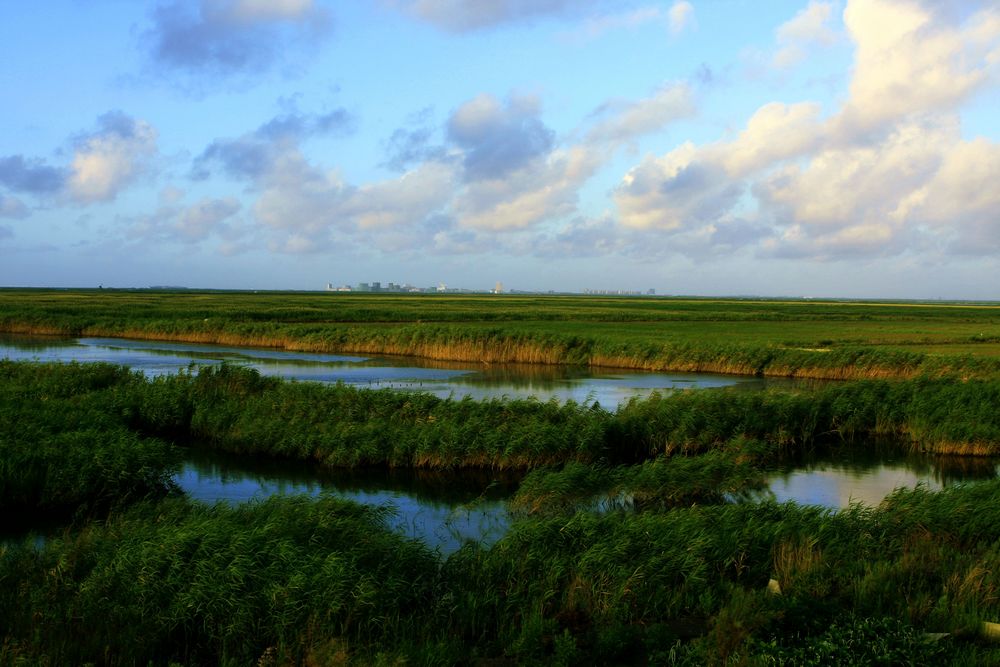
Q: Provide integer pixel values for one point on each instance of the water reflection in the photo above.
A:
(867, 474)
(444, 379)
(442, 509)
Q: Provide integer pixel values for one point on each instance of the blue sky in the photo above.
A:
(714, 147)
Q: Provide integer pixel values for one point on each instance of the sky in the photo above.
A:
(842, 148)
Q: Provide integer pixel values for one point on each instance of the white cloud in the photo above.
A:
(545, 190)
(497, 138)
(633, 119)
(232, 36)
(466, 15)
(173, 222)
(406, 200)
(886, 173)
(843, 186)
(810, 26)
(680, 16)
(264, 10)
(682, 190)
(307, 207)
(962, 200)
(775, 132)
(108, 160)
(908, 61)
(204, 218)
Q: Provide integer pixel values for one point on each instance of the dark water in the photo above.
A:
(445, 508)
(580, 384)
(442, 509)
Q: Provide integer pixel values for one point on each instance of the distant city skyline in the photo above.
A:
(830, 148)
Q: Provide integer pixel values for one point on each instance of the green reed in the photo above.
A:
(298, 580)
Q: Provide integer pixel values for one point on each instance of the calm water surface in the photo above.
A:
(446, 508)
(868, 474)
(443, 509)
(442, 379)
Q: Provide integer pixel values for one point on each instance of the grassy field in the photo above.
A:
(803, 338)
(626, 545)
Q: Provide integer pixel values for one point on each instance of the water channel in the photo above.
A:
(441, 378)
(445, 509)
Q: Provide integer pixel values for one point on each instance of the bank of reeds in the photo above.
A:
(935, 415)
(63, 453)
(286, 581)
(800, 339)
(714, 477)
(691, 584)
(296, 580)
(235, 409)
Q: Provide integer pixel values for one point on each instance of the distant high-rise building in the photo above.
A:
(499, 288)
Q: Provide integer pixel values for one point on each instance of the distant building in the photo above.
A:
(499, 288)
(612, 292)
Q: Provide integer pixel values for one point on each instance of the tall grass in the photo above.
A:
(62, 452)
(50, 414)
(661, 483)
(939, 415)
(779, 338)
(290, 580)
(296, 580)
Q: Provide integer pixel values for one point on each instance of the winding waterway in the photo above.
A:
(456, 379)
(444, 509)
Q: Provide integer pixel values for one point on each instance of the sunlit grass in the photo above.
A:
(771, 337)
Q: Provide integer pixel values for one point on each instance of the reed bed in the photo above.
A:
(235, 409)
(776, 338)
(712, 478)
(63, 454)
(684, 580)
(319, 581)
(286, 581)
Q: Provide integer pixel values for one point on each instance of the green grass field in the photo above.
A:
(769, 337)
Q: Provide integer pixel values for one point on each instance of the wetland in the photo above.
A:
(262, 479)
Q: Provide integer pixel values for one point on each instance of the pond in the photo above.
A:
(457, 379)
